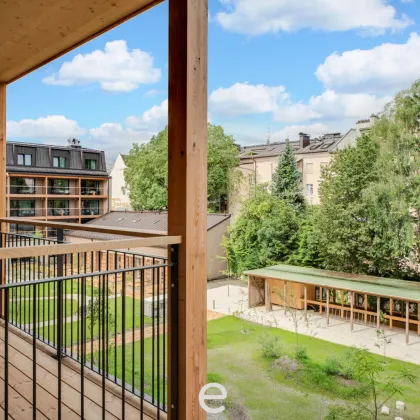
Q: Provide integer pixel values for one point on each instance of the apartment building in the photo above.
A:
(259, 162)
(120, 199)
(58, 183)
(314, 154)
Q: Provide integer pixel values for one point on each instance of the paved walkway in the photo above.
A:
(233, 300)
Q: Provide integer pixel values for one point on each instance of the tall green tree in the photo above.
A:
(369, 214)
(265, 233)
(146, 174)
(287, 180)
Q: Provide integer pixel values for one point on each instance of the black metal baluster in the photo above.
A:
(103, 349)
(142, 340)
(6, 354)
(123, 345)
(173, 333)
(34, 353)
(83, 350)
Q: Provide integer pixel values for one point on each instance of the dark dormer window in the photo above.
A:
(25, 160)
(59, 162)
(90, 164)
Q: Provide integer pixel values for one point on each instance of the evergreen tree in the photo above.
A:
(287, 180)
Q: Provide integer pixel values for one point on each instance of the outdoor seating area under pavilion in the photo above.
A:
(356, 298)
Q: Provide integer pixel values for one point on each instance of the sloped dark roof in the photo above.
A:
(265, 150)
(42, 159)
(148, 221)
(324, 144)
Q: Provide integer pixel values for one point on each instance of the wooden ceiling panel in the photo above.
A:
(35, 32)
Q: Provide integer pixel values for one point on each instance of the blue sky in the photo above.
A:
(275, 66)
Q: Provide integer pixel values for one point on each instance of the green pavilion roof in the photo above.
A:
(378, 286)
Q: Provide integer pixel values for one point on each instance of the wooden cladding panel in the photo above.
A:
(35, 32)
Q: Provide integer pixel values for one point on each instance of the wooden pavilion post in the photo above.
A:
(187, 195)
(378, 312)
(328, 307)
(407, 322)
(267, 296)
(351, 310)
(342, 303)
(305, 301)
(2, 180)
(365, 307)
(285, 296)
(391, 311)
(320, 301)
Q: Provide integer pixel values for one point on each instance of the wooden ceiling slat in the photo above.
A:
(35, 32)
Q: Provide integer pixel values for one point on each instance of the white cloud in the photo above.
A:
(243, 98)
(152, 119)
(332, 106)
(271, 16)
(115, 69)
(51, 127)
(114, 138)
(292, 131)
(384, 69)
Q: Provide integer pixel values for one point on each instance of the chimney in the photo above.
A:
(304, 140)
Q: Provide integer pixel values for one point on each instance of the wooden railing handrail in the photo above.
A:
(86, 227)
(72, 248)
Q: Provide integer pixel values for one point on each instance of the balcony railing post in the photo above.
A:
(173, 332)
(2, 274)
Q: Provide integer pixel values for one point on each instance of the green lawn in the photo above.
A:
(236, 361)
(115, 317)
(21, 312)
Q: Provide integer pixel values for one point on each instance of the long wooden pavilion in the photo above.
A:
(32, 34)
(373, 300)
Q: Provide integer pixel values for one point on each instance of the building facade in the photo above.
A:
(57, 183)
(120, 199)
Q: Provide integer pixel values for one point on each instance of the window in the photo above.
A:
(90, 164)
(90, 208)
(22, 186)
(58, 208)
(309, 189)
(58, 186)
(90, 187)
(22, 208)
(309, 168)
(25, 160)
(59, 162)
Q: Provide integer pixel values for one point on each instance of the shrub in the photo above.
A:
(302, 354)
(333, 366)
(339, 412)
(270, 346)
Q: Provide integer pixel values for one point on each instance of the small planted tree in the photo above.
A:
(380, 389)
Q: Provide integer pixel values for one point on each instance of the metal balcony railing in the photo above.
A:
(105, 309)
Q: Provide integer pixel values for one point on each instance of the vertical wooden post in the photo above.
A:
(285, 296)
(2, 179)
(407, 322)
(320, 301)
(342, 303)
(366, 307)
(328, 307)
(267, 296)
(378, 312)
(351, 310)
(305, 300)
(391, 311)
(187, 197)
